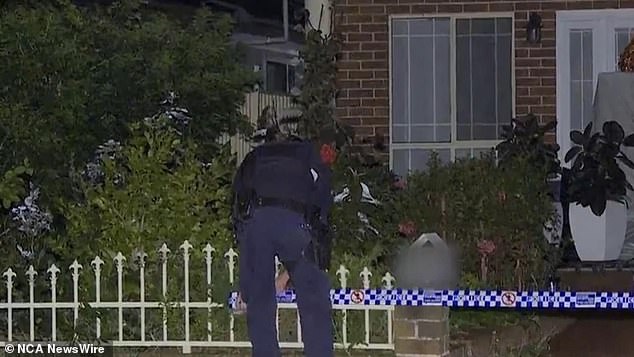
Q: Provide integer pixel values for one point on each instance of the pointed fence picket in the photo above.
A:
(145, 303)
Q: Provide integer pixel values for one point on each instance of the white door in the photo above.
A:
(588, 42)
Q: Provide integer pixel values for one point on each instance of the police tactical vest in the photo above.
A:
(282, 171)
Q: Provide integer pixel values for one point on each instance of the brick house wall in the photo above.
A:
(363, 67)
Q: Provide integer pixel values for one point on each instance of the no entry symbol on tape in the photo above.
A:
(508, 298)
(357, 296)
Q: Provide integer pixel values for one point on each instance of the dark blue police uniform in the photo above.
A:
(282, 181)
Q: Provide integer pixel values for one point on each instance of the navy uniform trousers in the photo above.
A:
(272, 231)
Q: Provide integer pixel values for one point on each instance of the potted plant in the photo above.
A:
(526, 138)
(597, 191)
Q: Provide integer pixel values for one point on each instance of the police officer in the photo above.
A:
(279, 188)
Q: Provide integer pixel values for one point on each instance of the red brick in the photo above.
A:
(374, 83)
(521, 91)
(360, 75)
(358, 19)
(348, 46)
(541, 52)
(374, 64)
(549, 100)
(360, 93)
(374, 121)
(349, 65)
(363, 130)
(542, 72)
(380, 55)
(554, 5)
(348, 102)
(449, 8)
(527, 62)
(627, 4)
(374, 28)
(348, 9)
(376, 102)
(380, 37)
(579, 5)
(341, 112)
(501, 7)
(373, 46)
(521, 72)
(542, 91)
(348, 84)
(528, 101)
(543, 109)
(346, 28)
(372, 9)
(605, 4)
(361, 56)
(478, 7)
(381, 74)
(528, 5)
(359, 37)
(551, 82)
(527, 81)
(361, 111)
(548, 24)
(548, 34)
(379, 19)
(425, 9)
(380, 93)
(398, 9)
(521, 53)
(521, 110)
(381, 112)
(548, 62)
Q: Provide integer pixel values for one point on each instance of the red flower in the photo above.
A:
(407, 228)
(328, 154)
(486, 247)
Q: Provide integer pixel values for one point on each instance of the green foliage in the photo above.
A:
(153, 191)
(79, 76)
(595, 175)
(526, 138)
(508, 208)
(13, 184)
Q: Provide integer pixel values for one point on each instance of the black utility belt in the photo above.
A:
(288, 204)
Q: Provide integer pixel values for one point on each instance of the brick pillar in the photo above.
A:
(421, 331)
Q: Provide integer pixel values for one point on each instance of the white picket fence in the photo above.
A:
(78, 271)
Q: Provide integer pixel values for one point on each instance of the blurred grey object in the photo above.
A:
(428, 263)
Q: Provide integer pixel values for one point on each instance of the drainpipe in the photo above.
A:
(284, 39)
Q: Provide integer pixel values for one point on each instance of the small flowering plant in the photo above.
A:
(32, 221)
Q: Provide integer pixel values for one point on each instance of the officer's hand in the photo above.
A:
(281, 283)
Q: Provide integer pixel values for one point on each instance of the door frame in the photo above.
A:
(602, 22)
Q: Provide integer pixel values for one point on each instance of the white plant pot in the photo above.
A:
(553, 229)
(598, 238)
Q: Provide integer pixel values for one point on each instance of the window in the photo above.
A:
(280, 77)
(451, 87)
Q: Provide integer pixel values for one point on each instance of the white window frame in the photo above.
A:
(454, 143)
(602, 22)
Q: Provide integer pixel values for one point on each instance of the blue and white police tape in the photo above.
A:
(472, 298)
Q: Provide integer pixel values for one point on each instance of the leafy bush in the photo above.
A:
(79, 76)
(135, 197)
(494, 215)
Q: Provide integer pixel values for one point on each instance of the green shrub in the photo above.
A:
(135, 197)
(79, 76)
(491, 213)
